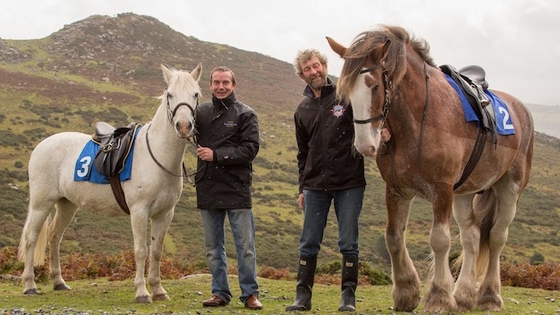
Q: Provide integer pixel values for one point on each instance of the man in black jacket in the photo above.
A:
(228, 141)
(330, 171)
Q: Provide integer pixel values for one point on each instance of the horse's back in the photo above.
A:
(57, 149)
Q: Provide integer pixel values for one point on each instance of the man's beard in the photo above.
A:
(317, 84)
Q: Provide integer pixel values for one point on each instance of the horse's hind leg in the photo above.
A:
(32, 245)
(489, 297)
(65, 211)
(159, 229)
(406, 284)
(465, 287)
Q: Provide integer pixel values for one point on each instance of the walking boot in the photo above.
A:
(350, 266)
(305, 277)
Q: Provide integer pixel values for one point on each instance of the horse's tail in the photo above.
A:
(485, 206)
(40, 248)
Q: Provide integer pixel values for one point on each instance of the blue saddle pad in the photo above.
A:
(86, 171)
(504, 126)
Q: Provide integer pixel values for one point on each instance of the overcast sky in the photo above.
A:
(516, 41)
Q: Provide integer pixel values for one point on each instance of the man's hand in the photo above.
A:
(205, 154)
(300, 200)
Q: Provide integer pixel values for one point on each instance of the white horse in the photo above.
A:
(151, 193)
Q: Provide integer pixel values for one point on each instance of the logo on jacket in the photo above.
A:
(230, 124)
(338, 110)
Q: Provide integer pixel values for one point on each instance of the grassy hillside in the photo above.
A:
(107, 69)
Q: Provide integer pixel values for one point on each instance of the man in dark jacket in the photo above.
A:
(329, 170)
(228, 141)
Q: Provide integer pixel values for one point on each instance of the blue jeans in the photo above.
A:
(347, 206)
(243, 229)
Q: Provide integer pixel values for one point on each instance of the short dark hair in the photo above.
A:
(223, 69)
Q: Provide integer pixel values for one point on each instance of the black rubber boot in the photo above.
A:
(350, 267)
(305, 277)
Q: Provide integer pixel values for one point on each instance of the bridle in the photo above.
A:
(388, 84)
(171, 113)
(170, 116)
(383, 116)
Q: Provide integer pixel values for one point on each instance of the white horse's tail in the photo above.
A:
(41, 246)
(484, 209)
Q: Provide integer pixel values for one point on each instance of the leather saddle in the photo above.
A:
(472, 81)
(115, 145)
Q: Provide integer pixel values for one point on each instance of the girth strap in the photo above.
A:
(475, 156)
(118, 192)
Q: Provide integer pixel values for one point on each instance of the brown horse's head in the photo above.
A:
(373, 64)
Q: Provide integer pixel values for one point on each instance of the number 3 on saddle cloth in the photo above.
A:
(106, 155)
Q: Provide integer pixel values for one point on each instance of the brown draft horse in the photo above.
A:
(394, 85)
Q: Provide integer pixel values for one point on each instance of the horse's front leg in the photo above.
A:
(465, 287)
(159, 229)
(439, 297)
(65, 212)
(406, 283)
(139, 222)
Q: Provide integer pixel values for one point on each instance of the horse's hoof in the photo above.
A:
(34, 291)
(161, 297)
(144, 299)
(62, 287)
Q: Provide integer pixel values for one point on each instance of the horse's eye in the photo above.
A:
(375, 88)
(169, 95)
(196, 95)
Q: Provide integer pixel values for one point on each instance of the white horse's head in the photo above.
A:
(182, 96)
(364, 83)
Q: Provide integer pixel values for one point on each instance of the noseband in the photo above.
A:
(387, 85)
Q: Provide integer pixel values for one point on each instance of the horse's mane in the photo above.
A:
(366, 42)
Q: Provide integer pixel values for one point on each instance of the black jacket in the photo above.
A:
(230, 128)
(324, 134)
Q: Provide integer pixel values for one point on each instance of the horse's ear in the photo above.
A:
(197, 72)
(336, 47)
(167, 74)
(383, 50)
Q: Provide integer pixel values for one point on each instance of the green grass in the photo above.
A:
(117, 297)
